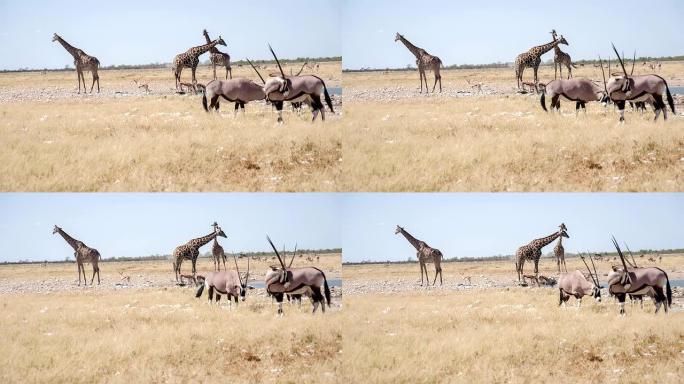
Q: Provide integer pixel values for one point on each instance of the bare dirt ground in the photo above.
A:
(483, 136)
(153, 330)
(492, 330)
(125, 139)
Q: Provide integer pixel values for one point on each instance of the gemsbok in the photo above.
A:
(308, 280)
(576, 284)
(640, 281)
(227, 283)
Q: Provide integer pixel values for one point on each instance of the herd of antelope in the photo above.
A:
(280, 280)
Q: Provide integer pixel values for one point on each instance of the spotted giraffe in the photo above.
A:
(559, 252)
(190, 250)
(190, 59)
(217, 253)
(83, 254)
(560, 59)
(424, 61)
(532, 251)
(82, 62)
(219, 58)
(425, 254)
(532, 59)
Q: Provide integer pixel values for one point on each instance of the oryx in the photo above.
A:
(308, 88)
(639, 281)
(227, 283)
(646, 88)
(575, 284)
(309, 280)
(240, 91)
(578, 90)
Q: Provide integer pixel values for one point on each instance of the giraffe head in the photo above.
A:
(398, 230)
(218, 230)
(563, 227)
(56, 229)
(55, 37)
(563, 233)
(398, 36)
(221, 42)
(563, 41)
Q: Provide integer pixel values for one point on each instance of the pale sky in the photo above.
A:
(141, 224)
(487, 224)
(476, 32)
(141, 32)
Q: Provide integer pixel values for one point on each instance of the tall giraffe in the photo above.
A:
(217, 253)
(560, 59)
(425, 254)
(532, 59)
(190, 59)
(219, 58)
(424, 61)
(559, 251)
(532, 251)
(190, 250)
(83, 254)
(82, 62)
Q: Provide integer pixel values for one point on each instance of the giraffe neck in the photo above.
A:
(197, 51)
(73, 242)
(206, 37)
(200, 241)
(70, 48)
(542, 49)
(415, 242)
(544, 241)
(415, 50)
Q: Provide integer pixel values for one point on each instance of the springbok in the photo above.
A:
(227, 283)
(309, 89)
(639, 281)
(645, 88)
(575, 284)
(307, 280)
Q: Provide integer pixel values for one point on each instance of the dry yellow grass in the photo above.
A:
(161, 333)
(508, 334)
(501, 142)
(159, 143)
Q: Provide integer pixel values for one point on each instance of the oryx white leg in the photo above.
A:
(315, 306)
(657, 113)
(315, 114)
(579, 303)
(622, 308)
(280, 309)
(657, 306)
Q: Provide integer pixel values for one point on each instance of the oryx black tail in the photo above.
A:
(199, 291)
(542, 100)
(204, 101)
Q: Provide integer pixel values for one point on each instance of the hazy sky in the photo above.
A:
(467, 32)
(155, 223)
(486, 224)
(140, 32)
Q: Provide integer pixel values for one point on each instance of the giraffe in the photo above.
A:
(425, 254)
(532, 59)
(190, 59)
(82, 62)
(424, 61)
(560, 59)
(219, 58)
(559, 251)
(190, 250)
(532, 251)
(218, 253)
(83, 254)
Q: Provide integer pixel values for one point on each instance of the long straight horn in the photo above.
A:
(256, 70)
(595, 273)
(622, 64)
(588, 269)
(247, 277)
(622, 257)
(633, 61)
(276, 251)
(634, 264)
(277, 61)
(605, 88)
(293, 256)
(237, 269)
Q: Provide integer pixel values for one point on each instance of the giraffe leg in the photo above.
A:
(555, 71)
(194, 80)
(93, 83)
(421, 272)
(435, 84)
(78, 265)
(98, 81)
(214, 66)
(85, 279)
(98, 275)
(229, 69)
(420, 75)
(536, 270)
(536, 80)
(93, 278)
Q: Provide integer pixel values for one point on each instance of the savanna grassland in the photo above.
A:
(152, 330)
(480, 135)
(395, 331)
(125, 139)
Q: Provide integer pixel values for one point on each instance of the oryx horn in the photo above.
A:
(595, 273)
(634, 264)
(622, 64)
(605, 88)
(236, 268)
(588, 269)
(633, 61)
(277, 61)
(622, 257)
(276, 251)
(256, 70)
(293, 256)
